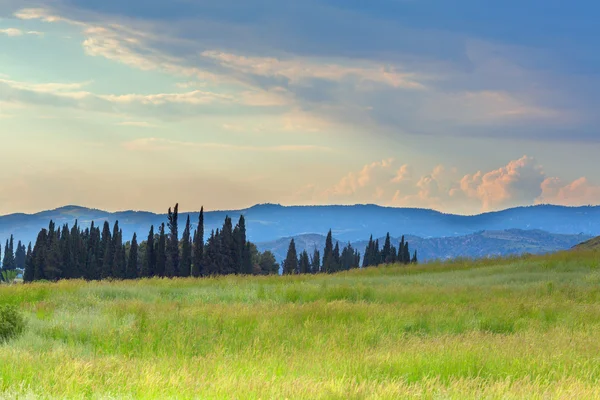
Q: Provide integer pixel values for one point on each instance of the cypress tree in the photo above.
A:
(8, 262)
(247, 266)
(290, 265)
(39, 255)
(239, 238)
(386, 253)
(304, 263)
(28, 273)
(52, 267)
(185, 265)
(406, 255)
(315, 262)
(328, 258)
(20, 256)
(132, 263)
(119, 259)
(368, 253)
(401, 258)
(226, 249)
(149, 263)
(336, 257)
(172, 265)
(414, 258)
(161, 252)
(198, 268)
(108, 255)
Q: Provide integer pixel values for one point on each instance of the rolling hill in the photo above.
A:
(476, 245)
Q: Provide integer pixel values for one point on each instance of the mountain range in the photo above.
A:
(270, 222)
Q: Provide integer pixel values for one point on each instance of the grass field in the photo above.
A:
(515, 328)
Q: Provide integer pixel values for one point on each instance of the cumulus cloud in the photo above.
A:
(519, 182)
(19, 32)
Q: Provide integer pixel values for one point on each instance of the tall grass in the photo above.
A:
(500, 328)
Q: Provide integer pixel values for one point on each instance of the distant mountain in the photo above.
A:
(267, 222)
(479, 244)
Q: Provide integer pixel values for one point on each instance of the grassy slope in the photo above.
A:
(592, 244)
(511, 329)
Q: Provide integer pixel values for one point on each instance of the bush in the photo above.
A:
(12, 322)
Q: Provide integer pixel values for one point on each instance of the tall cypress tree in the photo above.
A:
(247, 265)
(290, 265)
(406, 253)
(161, 252)
(119, 259)
(401, 253)
(132, 263)
(227, 249)
(172, 265)
(185, 265)
(315, 262)
(368, 253)
(414, 258)
(28, 273)
(198, 268)
(20, 256)
(149, 263)
(386, 253)
(304, 263)
(336, 257)
(39, 255)
(328, 258)
(239, 239)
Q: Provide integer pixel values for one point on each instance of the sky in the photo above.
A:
(463, 106)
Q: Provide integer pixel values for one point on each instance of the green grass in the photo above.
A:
(514, 328)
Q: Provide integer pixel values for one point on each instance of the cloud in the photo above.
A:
(519, 182)
(576, 193)
(159, 144)
(19, 32)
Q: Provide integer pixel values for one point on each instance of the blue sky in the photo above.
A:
(463, 106)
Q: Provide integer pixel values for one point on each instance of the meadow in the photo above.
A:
(526, 327)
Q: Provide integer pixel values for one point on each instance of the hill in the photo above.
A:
(591, 244)
(268, 222)
(476, 245)
(513, 328)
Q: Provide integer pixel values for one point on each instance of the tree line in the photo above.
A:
(97, 253)
(348, 258)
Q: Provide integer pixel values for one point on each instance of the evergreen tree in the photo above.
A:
(52, 267)
(172, 265)
(368, 253)
(211, 255)
(132, 263)
(39, 255)
(28, 273)
(401, 254)
(108, 255)
(386, 253)
(161, 252)
(406, 255)
(328, 257)
(198, 268)
(304, 263)
(149, 263)
(268, 264)
(247, 263)
(337, 258)
(20, 256)
(241, 250)
(119, 258)
(290, 265)
(414, 258)
(8, 263)
(315, 262)
(226, 249)
(185, 265)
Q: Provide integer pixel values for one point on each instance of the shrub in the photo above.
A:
(12, 322)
